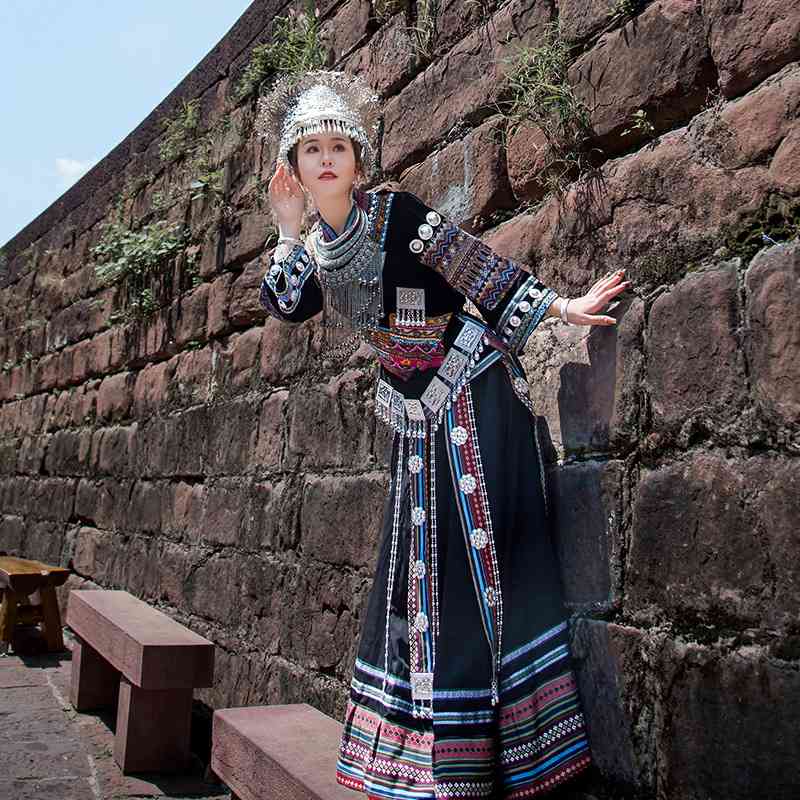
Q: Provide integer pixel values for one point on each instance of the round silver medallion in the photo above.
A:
(414, 464)
(524, 306)
(425, 231)
(418, 515)
(421, 622)
(458, 435)
(433, 218)
(467, 484)
(514, 321)
(534, 293)
(479, 538)
(416, 246)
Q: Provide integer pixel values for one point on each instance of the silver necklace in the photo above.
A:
(350, 271)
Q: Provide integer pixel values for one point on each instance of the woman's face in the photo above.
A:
(321, 153)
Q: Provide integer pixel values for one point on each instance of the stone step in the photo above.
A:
(282, 751)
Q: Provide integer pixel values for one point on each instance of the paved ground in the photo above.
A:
(50, 752)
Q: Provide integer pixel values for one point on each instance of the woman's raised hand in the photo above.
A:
(287, 200)
(582, 310)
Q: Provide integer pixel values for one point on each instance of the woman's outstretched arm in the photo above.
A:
(511, 299)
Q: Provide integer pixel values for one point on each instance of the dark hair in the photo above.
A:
(292, 156)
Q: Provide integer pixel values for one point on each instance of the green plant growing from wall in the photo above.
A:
(135, 257)
(640, 123)
(384, 9)
(626, 8)
(425, 30)
(178, 130)
(540, 93)
(295, 47)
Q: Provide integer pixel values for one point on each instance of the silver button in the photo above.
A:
(524, 306)
(514, 321)
(416, 246)
(433, 218)
(425, 231)
(479, 538)
(467, 484)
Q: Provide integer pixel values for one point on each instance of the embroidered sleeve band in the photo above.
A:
(286, 279)
(524, 312)
(464, 261)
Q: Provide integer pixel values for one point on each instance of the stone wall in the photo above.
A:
(193, 460)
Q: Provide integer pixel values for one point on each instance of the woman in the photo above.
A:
(463, 685)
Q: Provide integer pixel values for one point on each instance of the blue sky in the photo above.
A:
(79, 76)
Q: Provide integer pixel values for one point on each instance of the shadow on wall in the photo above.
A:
(585, 496)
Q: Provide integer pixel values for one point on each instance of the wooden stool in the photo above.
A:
(19, 578)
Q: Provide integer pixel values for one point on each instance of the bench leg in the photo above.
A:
(8, 615)
(94, 681)
(51, 621)
(153, 729)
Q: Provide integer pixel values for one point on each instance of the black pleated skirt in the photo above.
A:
(526, 736)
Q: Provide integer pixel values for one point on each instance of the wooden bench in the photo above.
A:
(287, 752)
(128, 653)
(20, 578)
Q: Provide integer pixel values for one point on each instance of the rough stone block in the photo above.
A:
(586, 381)
(711, 542)
(694, 365)
(332, 424)
(151, 391)
(597, 669)
(268, 453)
(340, 518)
(588, 510)
(232, 436)
(271, 518)
(286, 349)
(115, 396)
(750, 39)
(218, 301)
(658, 63)
(773, 346)
(347, 28)
(731, 731)
(581, 19)
(193, 377)
(387, 60)
(466, 181)
(460, 85)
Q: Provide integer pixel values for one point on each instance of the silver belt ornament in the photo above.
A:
(408, 417)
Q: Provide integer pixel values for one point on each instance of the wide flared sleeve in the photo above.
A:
(511, 299)
(288, 289)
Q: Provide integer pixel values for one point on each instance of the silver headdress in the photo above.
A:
(320, 101)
